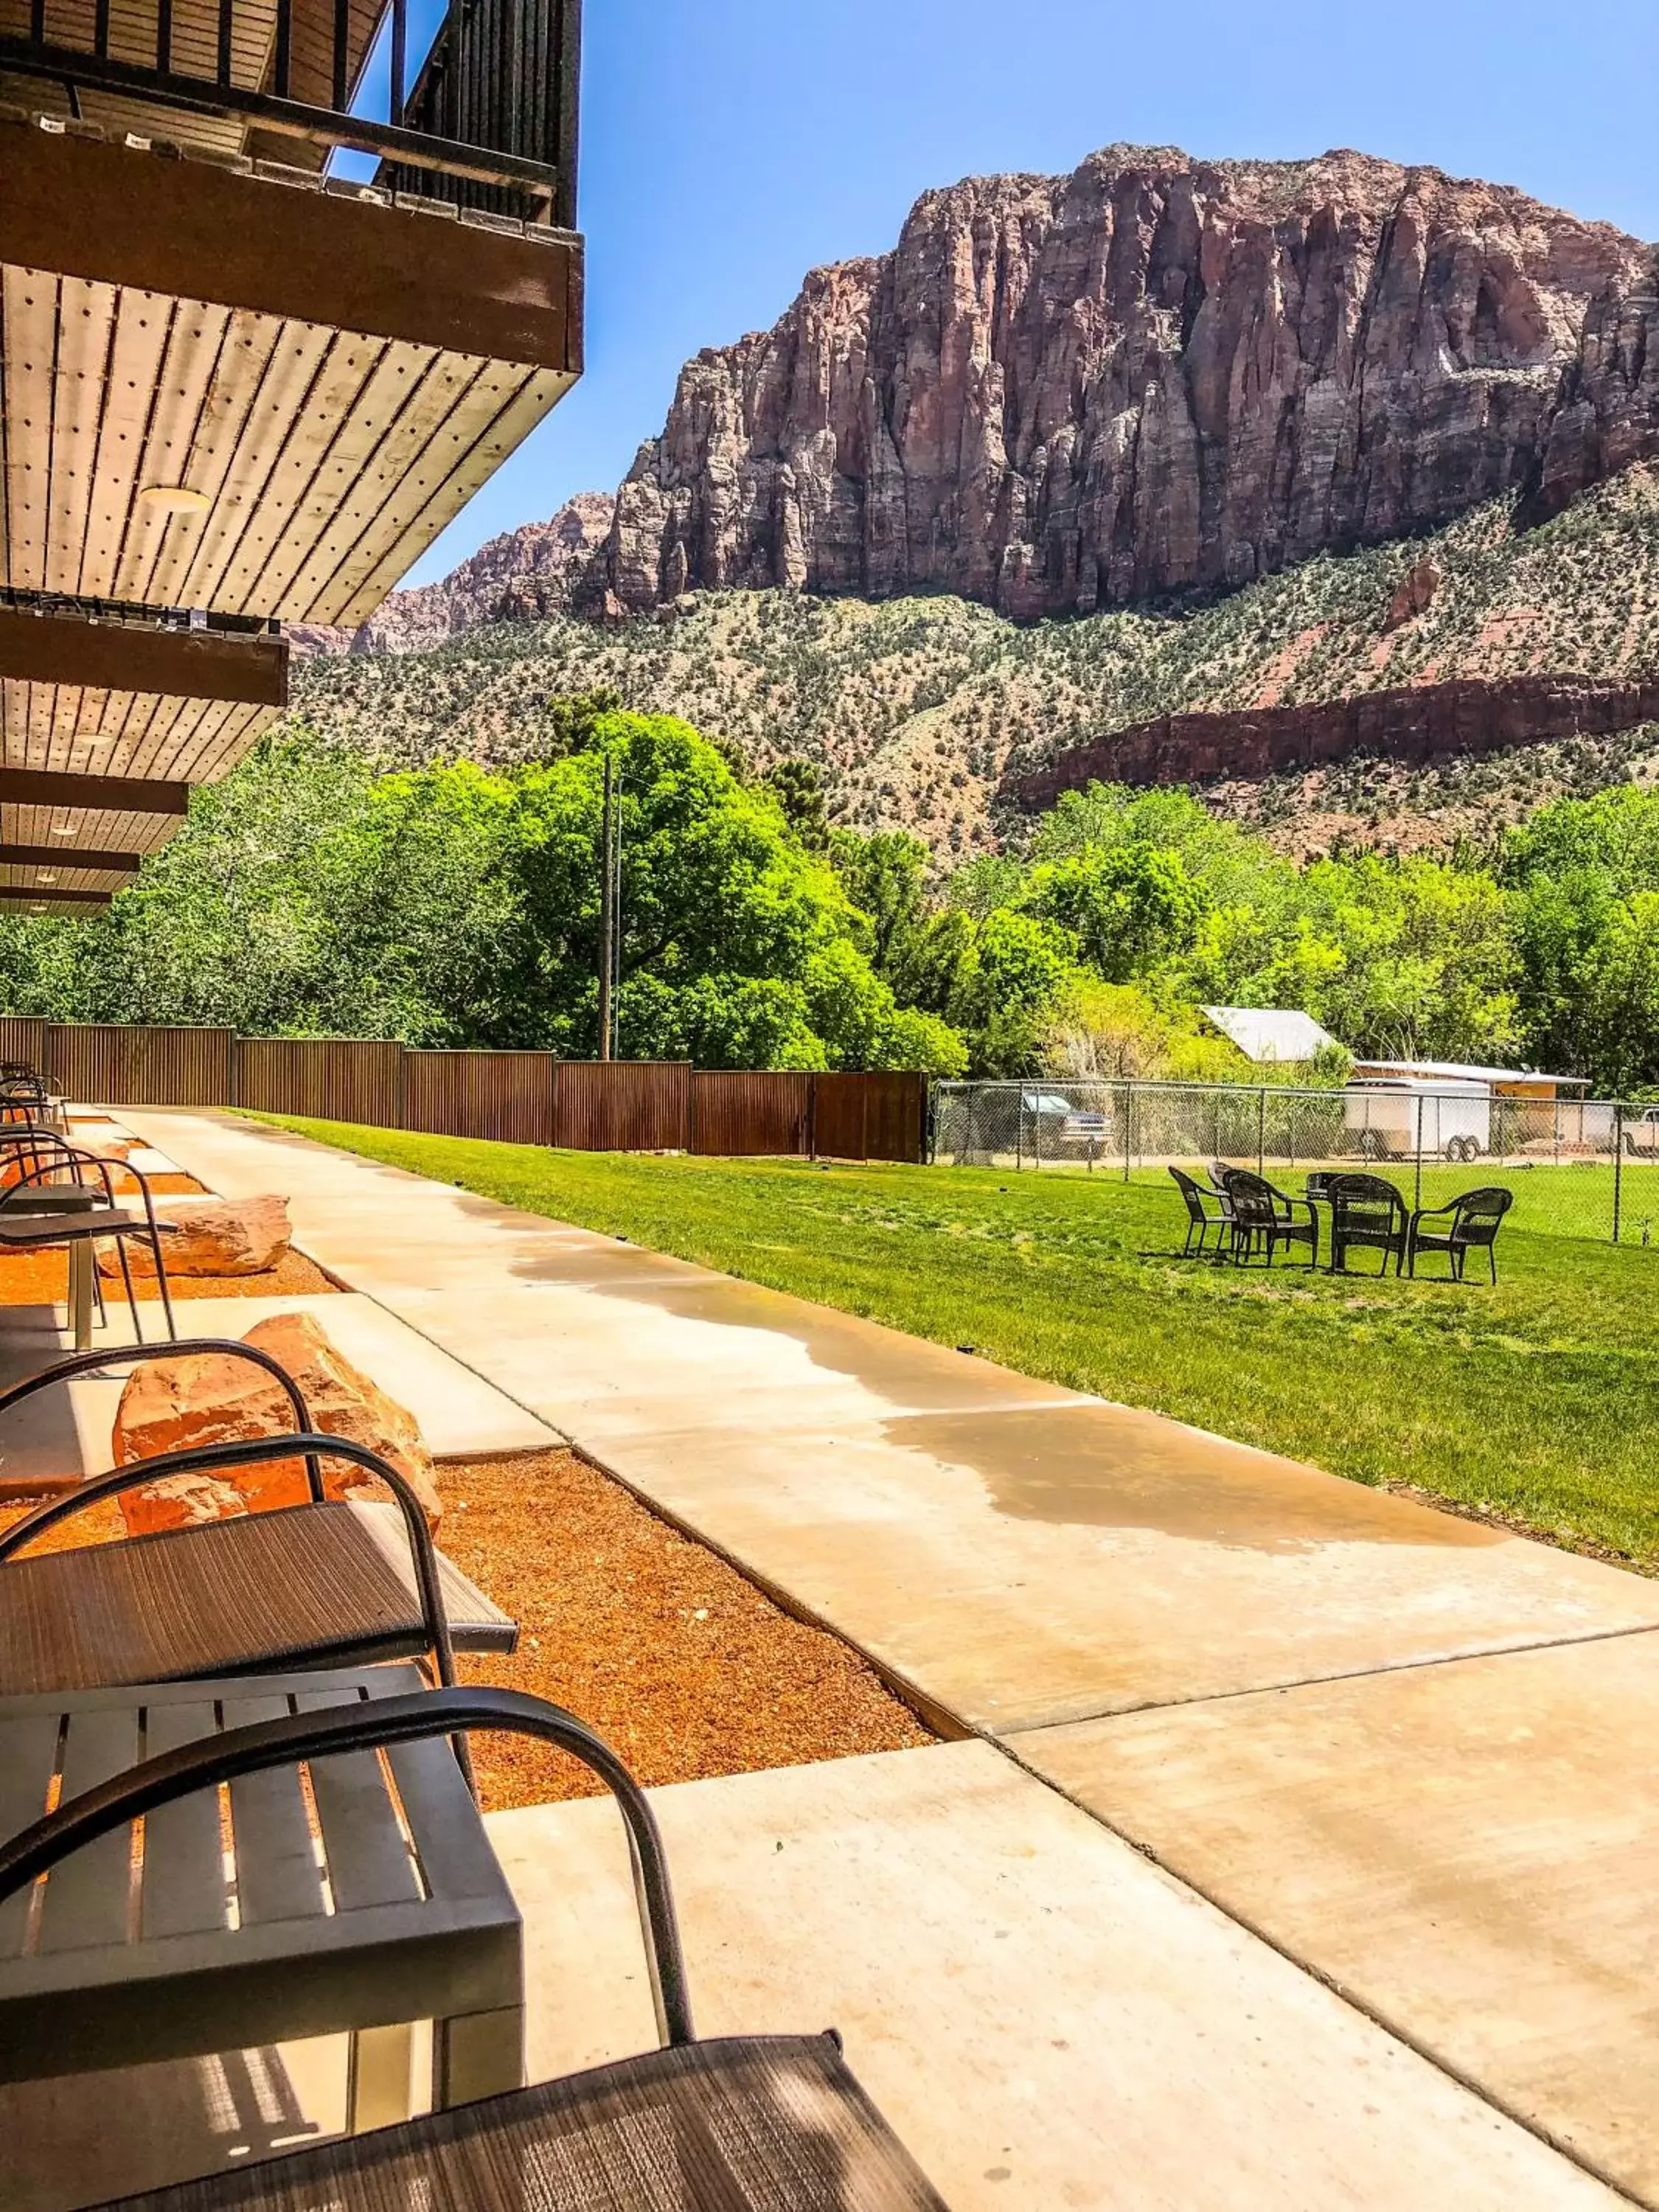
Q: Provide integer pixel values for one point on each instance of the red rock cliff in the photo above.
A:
(1413, 723)
(1058, 394)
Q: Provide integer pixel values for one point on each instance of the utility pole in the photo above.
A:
(607, 911)
(616, 913)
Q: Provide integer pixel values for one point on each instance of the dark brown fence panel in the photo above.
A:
(112, 1065)
(508, 1096)
(622, 1105)
(880, 1116)
(738, 1114)
(23, 1038)
(332, 1078)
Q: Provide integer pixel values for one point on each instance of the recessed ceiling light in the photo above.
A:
(46, 876)
(175, 499)
(63, 829)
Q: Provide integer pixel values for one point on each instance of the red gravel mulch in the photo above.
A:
(673, 1656)
(41, 1278)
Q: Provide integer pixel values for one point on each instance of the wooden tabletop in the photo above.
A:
(295, 1902)
(56, 1225)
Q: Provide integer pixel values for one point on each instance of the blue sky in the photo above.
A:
(730, 145)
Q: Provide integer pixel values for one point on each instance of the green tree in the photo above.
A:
(1130, 909)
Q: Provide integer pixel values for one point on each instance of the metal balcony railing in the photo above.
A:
(477, 107)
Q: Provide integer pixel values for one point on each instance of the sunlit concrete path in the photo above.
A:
(1386, 1739)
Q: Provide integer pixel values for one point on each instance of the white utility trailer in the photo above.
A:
(1391, 1120)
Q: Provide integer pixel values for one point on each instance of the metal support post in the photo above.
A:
(607, 913)
(1618, 1170)
(1261, 1131)
(1416, 1185)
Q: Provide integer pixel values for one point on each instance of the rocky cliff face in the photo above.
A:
(1061, 394)
(1412, 724)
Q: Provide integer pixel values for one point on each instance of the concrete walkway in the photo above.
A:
(1361, 1727)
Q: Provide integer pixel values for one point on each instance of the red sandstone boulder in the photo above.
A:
(209, 1398)
(213, 1237)
(1415, 595)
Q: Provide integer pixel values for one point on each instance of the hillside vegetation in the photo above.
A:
(914, 708)
(316, 892)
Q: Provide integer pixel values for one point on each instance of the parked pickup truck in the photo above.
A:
(1642, 1137)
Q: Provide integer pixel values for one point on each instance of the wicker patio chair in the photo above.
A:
(43, 1161)
(1367, 1214)
(1264, 1218)
(1472, 1220)
(752, 2123)
(319, 1583)
(1206, 1209)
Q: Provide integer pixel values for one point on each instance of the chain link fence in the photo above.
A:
(1583, 1167)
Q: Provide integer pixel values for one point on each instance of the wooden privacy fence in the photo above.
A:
(517, 1097)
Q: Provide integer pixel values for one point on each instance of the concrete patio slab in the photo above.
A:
(65, 1433)
(1470, 1850)
(172, 2122)
(1017, 1553)
(704, 1349)
(1046, 2019)
(1030, 1566)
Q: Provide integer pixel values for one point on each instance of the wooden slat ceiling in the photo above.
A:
(93, 828)
(14, 876)
(330, 461)
(80, 732)
(326, 457)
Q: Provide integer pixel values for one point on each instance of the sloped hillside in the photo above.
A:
(919, 710)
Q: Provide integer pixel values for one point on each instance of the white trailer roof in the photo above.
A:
(1455, 1071)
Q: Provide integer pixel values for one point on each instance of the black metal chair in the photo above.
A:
(1264, 1218)
(1201, 1219)
(752, 2123)
(42, 1160)
(1472, 1220)
(295, 1586)
(1368, 1213)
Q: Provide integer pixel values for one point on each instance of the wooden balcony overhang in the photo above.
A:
(85, 648)
(85, 818)
(239, 388)
(51, 858)
(53, 900)
(88, 688)
(116, 794)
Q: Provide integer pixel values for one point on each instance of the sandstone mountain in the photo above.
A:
(520, 576)
(1058, 395)
(1160, 439)
(1155, 376)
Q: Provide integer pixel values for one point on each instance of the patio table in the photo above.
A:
(73, 1198)
(307, 1912)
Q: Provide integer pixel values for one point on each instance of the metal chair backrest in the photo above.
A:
(1479, 1212)
(1366, 1201)
(1254, 1200)
(1194, 1194)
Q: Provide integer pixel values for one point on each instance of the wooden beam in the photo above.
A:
(190, 230)
(114, 656)
(68, 856)
(113, 794)
(54, 898)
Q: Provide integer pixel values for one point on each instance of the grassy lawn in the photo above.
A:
(1539, 1400)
